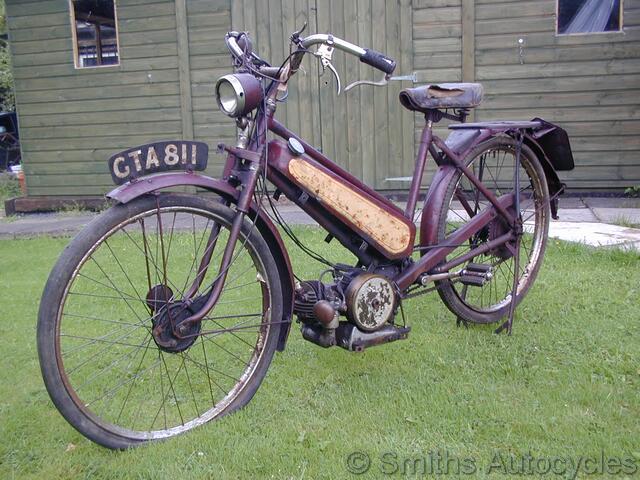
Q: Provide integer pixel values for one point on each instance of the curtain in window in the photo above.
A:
(593, 16)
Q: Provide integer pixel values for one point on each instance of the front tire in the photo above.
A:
(123, 275)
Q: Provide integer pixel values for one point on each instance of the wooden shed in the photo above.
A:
(89, 84)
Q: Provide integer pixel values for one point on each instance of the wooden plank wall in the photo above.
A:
(208, 22)
(365, 130)
(72, 120)
(589, 84)
(270, 24)
(437, 54)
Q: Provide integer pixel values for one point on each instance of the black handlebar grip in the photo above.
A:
(379, 61)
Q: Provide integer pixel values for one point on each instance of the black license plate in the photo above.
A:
(158, 157)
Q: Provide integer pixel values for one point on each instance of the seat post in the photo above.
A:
(418, 172)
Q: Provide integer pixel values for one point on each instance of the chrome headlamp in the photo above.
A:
(238, 94)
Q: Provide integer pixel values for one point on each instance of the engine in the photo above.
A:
(367, 301)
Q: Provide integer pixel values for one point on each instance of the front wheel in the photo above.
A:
(106, 352)
(494, 162)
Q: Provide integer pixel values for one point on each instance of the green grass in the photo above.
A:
(624, 221)
(567, 383)
(633, 191)
(9, 188)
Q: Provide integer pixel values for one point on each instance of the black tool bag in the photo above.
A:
(555, 143)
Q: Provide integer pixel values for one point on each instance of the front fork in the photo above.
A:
(249, 180)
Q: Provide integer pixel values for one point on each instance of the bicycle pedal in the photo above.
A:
(476, 274)
(472, 280)
(478, 267)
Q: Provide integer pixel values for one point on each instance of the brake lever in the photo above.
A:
(295, 36)
(325, 53)
(385, 80)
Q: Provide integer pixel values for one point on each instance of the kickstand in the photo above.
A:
(516, 278)
(518, 230)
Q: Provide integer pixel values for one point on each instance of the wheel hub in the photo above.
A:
(497, 228)
(174, 315)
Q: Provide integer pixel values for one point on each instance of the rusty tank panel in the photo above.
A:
(386, 228)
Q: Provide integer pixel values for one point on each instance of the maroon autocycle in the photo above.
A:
(166, 310)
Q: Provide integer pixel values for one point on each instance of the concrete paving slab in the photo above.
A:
(297, 217)
(43, 224)
(617, 215)
(611, 202)
(576, 215)
(571, 202)
(596, 234)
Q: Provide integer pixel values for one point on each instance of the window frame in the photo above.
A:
(605, 32)
(74, 32)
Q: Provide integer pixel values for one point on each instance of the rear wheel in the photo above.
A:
(493, 162)
(108, 357)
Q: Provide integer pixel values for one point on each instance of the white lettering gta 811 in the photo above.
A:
(157, 157)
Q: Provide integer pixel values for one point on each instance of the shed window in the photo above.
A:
(95, 33)
(589, 16)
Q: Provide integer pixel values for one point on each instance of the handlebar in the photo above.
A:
(370, 57)
(334, 42)
(379, 60)
(232, 43)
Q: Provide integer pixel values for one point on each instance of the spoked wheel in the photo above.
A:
(108, 356)
(494, 163)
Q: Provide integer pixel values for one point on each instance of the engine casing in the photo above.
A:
(371, 301)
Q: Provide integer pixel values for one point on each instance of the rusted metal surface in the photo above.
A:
(418, 172)
(280, 130)
(326, 213)
(462, 234)
(127, 192)
(350, 338)
(325, 313)
(324, 218)
(371, 301)
(392, 233)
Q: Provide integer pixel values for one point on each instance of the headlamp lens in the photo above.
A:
(227, 97)
(238, 94)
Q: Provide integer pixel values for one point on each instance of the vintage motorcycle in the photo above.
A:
(166, 310)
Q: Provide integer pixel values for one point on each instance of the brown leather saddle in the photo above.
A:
(442, 95)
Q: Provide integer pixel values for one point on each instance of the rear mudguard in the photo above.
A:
(153, 183)
(433, 204)
(549, 143)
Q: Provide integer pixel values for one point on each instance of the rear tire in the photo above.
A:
(496, 159)
(99, 358)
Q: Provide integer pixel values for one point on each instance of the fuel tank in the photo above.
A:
(382, 225)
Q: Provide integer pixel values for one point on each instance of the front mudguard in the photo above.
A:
(154, 183)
